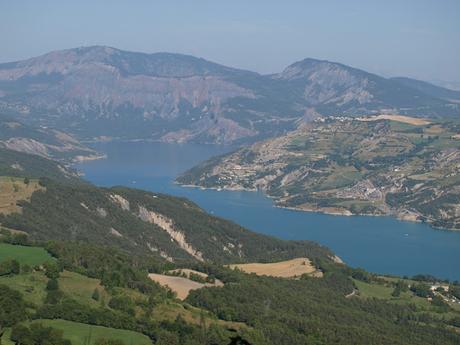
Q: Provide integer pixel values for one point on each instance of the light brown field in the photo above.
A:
(399, 118)
(181, 286)
(13, 190)
(284, 269)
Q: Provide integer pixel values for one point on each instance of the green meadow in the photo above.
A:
(83, 334)
(31, 256)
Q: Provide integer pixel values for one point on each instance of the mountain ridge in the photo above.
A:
(102, 91)
(46, 142)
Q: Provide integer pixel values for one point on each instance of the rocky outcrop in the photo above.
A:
(168, 225)
(44, 142)
(28, 146)
(120, 201)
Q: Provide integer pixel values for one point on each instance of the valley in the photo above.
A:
(229, 173)
(82, 256)
(361, 241)
(106, 262)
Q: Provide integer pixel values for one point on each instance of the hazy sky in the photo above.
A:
(417, 38)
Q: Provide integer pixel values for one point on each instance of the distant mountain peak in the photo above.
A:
(160, 64)
(304, 68)
(99, 91)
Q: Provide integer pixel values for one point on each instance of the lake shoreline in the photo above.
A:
(401, 216)
(377, 244)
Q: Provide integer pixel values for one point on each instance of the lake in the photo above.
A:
(378, 244)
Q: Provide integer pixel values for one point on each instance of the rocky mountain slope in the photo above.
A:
(334, 88)
(101, 92)
(393, 165)
(42, 141)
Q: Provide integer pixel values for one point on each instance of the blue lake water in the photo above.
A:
(378, 244)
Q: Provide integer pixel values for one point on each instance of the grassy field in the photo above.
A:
(31, 256)
(381, 291)
(284, 269)
(81, 288)
(342, 177)
(192, 315)
(12, 190)
(79, 333)
(30, 285)
(373, 290)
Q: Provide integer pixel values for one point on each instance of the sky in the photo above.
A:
(415, 38)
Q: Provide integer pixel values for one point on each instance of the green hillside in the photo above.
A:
(31, 256)
(84, 334)
(75, 262)
(346, 306)
(120, 217)
(18, 164)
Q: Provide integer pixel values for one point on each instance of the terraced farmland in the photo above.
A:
(384, 165)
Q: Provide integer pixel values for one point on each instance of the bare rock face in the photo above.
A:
(101, 91)
(168, 225)
(95, 92)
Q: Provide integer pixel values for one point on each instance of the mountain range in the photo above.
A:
(102, 93)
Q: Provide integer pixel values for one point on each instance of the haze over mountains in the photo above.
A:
(42, 141)
(100, 92)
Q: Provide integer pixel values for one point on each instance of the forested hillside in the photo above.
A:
(75, 262)
(19, 164)
(163, 226)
